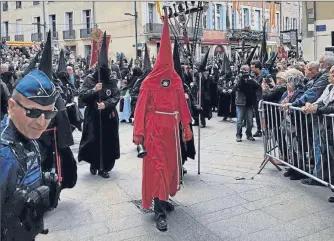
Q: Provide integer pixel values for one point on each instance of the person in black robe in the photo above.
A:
(56, 143)
(213, 87)
(205, 92)
(135, 88)
(226, 105)
(187, 148)
(101, 117)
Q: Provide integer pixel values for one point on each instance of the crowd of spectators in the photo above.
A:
(300, 127)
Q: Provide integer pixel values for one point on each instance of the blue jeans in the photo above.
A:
(244, 112)
(317, 151)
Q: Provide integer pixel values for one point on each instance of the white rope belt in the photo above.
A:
(177, 146)
(167, 113)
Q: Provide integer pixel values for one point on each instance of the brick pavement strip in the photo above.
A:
(212, 206)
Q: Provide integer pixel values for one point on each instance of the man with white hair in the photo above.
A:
(312, 72)
(315, 90)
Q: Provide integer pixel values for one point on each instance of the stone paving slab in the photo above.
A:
(227, 201)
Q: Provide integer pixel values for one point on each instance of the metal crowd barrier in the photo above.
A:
(303, 142)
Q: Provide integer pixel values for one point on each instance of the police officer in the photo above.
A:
(30, 110)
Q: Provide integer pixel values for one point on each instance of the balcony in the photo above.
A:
(5, 6)
(86, 32)
(247, 34)
(154, 30)
(36, 37)
(69, 34)
(5, 38)
(19, 37)
(54, 35)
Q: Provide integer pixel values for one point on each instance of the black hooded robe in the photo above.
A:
(188, 149)
(64, 141)
(226, 102)
(89, 149)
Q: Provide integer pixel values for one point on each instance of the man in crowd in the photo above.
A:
(246, 89)
(312, 72)
(256, 68)
(30, 110)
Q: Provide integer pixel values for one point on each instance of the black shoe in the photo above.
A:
(331, 199)
(203, 125)
(196, 124)
(160, 214)
(250, 138)
(130, 120)
(184, 170)
(258, 134)
(311, 182)
(239, 139)
(224, 119)
(289, 172)
(93, 171)
(169, 207)
(161, 223)
(123, 121)
(295, 176)
(104, 174)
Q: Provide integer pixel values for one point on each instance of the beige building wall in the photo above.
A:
(315, 45)
(109, 17)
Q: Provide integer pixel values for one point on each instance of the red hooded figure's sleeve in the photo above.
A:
(140, 112)
(184, 109)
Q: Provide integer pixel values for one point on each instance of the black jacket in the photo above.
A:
(274, 94)
(245, 87)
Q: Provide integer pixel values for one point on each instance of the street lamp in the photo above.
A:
(135, 15)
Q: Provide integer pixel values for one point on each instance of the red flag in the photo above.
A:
(95, 48)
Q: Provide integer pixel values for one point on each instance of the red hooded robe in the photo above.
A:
(160, 108)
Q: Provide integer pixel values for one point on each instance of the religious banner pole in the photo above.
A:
(97, 37)
(199, 119)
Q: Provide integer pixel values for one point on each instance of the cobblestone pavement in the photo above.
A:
(215, 205)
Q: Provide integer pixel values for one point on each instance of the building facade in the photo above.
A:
(318, 28)
(71, 24)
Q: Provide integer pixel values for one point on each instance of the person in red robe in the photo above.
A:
(161, 107)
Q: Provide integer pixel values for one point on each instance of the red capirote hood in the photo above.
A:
(163, 75)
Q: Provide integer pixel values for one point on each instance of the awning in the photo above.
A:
(18, 43)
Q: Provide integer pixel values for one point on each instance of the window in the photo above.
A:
(257, 20)
(287, 23)
(87, 19)
(218, 9)
(205, 20)
(53, 25)
(35, 2)
(88, 49)
(245, 17)
(18, 29)
(213, 18)
(4, 29)
(234, 18)
(267, 18)
(18, 4)
(69, 21)
(151, 16)
(5, 6)
(294, 25)
(278, 24)
(37, 23)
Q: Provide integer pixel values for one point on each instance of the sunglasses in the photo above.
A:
(36, 113)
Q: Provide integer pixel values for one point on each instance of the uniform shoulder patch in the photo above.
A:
(165, 83)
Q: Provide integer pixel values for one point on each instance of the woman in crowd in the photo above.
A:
(291, 126)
